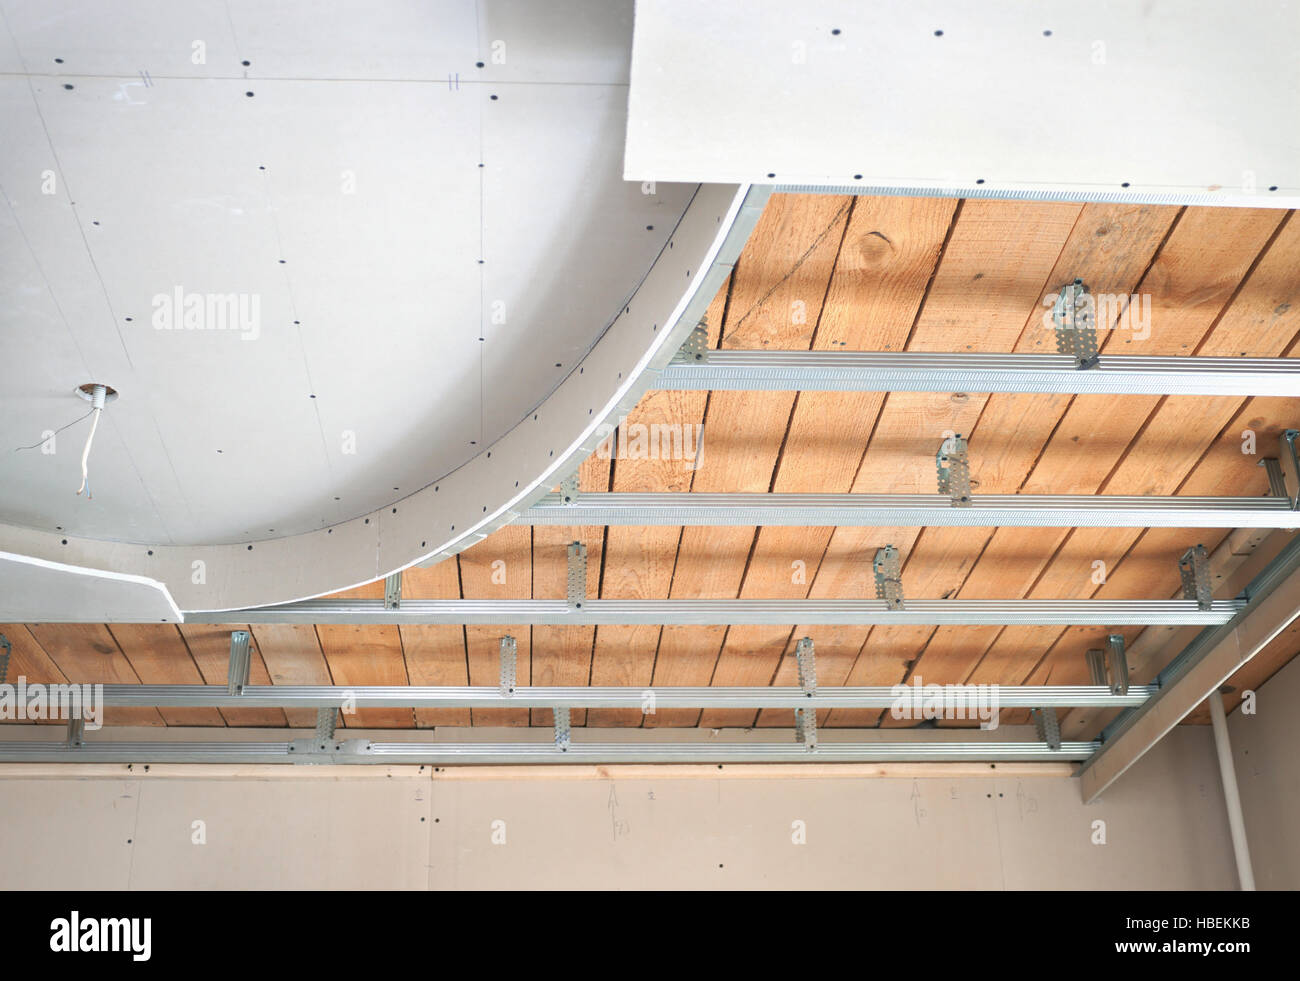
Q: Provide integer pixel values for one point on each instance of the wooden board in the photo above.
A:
(27, 659)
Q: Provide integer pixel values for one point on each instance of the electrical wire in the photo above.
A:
(85, 454)
(46, 439)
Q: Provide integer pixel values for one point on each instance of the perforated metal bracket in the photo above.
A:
(393, 591)
(1047, 726)
(509, 650)
(1289, 459)
(806, 657)
(888, 572)
(696, 348)
(805, 727)
(577, 581)
(953, 469)
(569, 488)
(6, 649)
(76, 733)
(1109, 667)
(562, 728)
(326, 720)
(1074, 319)
(805, 719)
(237, 677)
(319, 751)
(1194, 568)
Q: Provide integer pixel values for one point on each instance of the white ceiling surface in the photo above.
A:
(1169, 96)
(160, 186)
(38, 590)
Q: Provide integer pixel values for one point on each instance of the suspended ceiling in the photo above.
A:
(435, 363)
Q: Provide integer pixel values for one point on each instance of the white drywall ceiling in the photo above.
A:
(34, 590)
(346, 198)
(1112, 100)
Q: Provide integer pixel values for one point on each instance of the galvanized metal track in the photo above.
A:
(907, 371)
(913, 510)
(1087, 612)
(480, 754)
(415, 696)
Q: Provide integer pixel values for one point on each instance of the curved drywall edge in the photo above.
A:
(157, 590)
(485, 493)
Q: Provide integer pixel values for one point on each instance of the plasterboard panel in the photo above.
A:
(34, 588)
(280, 39)
(1114, 98)
(522, 204)
(353, 195)
(639, 828)
(517, 40)
(526, 41)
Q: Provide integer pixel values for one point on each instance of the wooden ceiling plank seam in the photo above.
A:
(315, 628)
(1264, 251)
(464, 632)
(293, 656)
(953, 219)
(401, 650)
(600, 581)
(367, 656)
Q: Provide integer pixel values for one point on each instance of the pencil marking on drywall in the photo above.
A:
(1024, 803)
(618, 825)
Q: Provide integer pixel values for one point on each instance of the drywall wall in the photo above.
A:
(412, 828)
(1268, 777)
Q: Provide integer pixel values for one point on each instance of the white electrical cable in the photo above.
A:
(97, 400)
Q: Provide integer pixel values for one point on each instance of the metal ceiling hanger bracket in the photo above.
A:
(953, 468)
(887, 568)
(1074, 318)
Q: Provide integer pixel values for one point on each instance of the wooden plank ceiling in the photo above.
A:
(832, 273)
